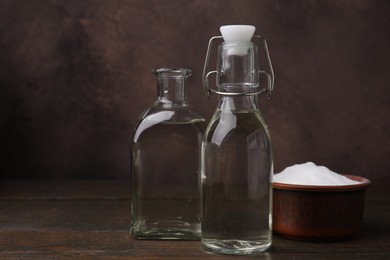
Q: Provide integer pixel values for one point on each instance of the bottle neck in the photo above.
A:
(170, 86)
(237, 67)
(237, 73)
(171, 90)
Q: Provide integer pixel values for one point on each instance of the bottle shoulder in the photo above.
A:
(241, 124)
(172, 112)
(168, 117)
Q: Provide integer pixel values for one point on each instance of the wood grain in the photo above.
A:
(95, 225)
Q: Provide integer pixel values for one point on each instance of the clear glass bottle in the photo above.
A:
(166, 164)
(237, 164)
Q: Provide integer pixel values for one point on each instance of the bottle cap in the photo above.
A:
(237, 33)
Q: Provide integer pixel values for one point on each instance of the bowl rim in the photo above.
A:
(365, 183)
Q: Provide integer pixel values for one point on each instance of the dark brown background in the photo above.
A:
(75, 75)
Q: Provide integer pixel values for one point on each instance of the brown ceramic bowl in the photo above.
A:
(319, 212)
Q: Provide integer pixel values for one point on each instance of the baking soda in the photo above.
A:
(311, 174)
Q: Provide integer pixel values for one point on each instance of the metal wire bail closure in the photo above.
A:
(269, 74)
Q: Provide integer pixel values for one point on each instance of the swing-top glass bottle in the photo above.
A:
(237, 164)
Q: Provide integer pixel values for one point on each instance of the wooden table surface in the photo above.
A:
(90, 220)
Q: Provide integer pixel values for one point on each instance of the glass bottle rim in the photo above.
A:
(237, 44)
(172, 72)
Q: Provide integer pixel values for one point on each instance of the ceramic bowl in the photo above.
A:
(319, 212)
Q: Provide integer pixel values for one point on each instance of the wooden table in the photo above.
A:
(90, 220)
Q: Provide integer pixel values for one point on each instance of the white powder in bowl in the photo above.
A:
(311, 174)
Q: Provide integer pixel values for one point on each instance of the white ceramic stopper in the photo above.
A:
(237, 33)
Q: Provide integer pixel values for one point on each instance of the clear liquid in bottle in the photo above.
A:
(236, 192)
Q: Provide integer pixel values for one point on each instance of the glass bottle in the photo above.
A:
(237, 164)
(165, 164)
